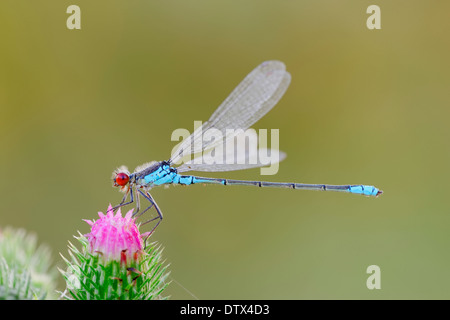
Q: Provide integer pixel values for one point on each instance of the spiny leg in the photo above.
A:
(140, 214)
(138, 203)
(153, 203)
(138, 200)
(122, 204)
(148, 196)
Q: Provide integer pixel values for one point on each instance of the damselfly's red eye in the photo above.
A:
(122, 179)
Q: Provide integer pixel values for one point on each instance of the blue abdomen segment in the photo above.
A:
(365, 190)
(185, 180)
(188, 180)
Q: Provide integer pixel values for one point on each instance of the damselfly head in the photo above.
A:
(121, 177)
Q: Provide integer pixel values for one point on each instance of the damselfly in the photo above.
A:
(260, 90)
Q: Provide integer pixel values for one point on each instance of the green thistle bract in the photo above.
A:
(113, 263)
(25, 267)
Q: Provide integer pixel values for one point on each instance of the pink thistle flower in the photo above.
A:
(115, 238)
(114, 263)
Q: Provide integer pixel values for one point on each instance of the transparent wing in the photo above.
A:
(239, 153)
(203, 163)
(260, 90)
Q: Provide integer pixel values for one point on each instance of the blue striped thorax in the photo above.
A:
(157, 174)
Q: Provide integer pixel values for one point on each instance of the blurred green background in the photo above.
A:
(364, 106)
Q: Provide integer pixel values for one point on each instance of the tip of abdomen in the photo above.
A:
(365, 190)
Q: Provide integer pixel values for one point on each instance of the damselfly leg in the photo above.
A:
(148, 196)
(138, 201)
(123, 204)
